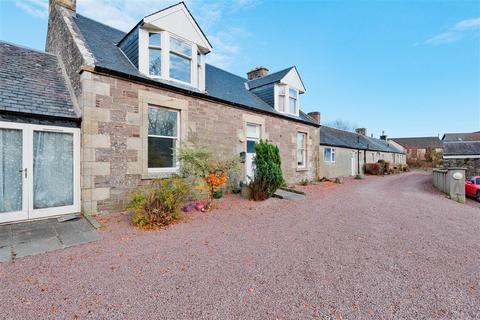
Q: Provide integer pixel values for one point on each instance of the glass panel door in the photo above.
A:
(53, 169)
(11, 173)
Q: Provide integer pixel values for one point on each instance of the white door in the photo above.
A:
(253, 136)
(354, 163)
(39, 171)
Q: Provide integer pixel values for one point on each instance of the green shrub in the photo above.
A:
(159, 203)
(212, 170)
(268, 172)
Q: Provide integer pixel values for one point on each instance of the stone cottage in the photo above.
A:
(343, 153)
(136, 96)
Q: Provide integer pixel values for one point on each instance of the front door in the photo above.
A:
(354, 164)
(39, 171)
(253, 136)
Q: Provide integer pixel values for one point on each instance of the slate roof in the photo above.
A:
(31, 82)
(457, 148)
(269, 78)
(220, 85)
(468, 136)
(340, 138)
(419, 142)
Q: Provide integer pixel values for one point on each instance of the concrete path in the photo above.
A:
(30, 238)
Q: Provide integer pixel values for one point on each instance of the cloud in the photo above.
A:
(456, 32)
(124, 14)
(36, 8)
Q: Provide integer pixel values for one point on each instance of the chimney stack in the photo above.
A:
(69, 4)
(315, 116)
(362, 131)
(383, 136)
(257, 72)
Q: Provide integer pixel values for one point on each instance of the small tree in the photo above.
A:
(433, 156)
(200, 162)
(268, 171)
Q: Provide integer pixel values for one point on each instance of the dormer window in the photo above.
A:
(180, 60)
(155, 54)
(287, 99)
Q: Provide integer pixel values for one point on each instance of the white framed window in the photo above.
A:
(282, 98)
(329, 155)
(292, 101)
(301, 149)
(180, 60)
(154, 54)
(163, 139)
(287, 99)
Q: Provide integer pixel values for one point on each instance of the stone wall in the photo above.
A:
(472, 166)
(114, 136)
(64, 41)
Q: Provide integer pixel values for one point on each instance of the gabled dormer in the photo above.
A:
(169, 45)
(281, 89)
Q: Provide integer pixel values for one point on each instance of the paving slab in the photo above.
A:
(31, 248)
(5, 254)
(36, 237)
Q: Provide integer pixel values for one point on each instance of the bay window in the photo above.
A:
(329, 155)
(155, 54)
(163, 138)
(301, 149)
(180, 60)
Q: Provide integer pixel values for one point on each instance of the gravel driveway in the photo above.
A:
(381, 248)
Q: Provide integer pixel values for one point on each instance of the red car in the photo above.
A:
(472, 187)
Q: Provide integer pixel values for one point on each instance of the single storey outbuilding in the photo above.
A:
(344, 153)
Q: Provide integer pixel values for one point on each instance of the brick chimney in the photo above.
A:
(383, 136)
(257, 72)
(315, 116)
(362, 131)
(69, 4)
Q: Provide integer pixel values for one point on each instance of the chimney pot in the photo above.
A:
(383, 136)
(257, 72)
(315, 116)
(362, 131)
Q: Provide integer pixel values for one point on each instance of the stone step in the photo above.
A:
(287, 195)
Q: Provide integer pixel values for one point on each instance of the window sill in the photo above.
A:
(300, 169)
(331, 163)
(160, 173)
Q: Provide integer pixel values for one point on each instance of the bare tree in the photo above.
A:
(342, 125)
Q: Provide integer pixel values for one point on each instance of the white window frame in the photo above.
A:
(296, 101)
(286, 95)
(28, 212)
(332, 155)
(176, 168)
(303, 148)
(196, 80)
(193, 64)
(160, 47)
